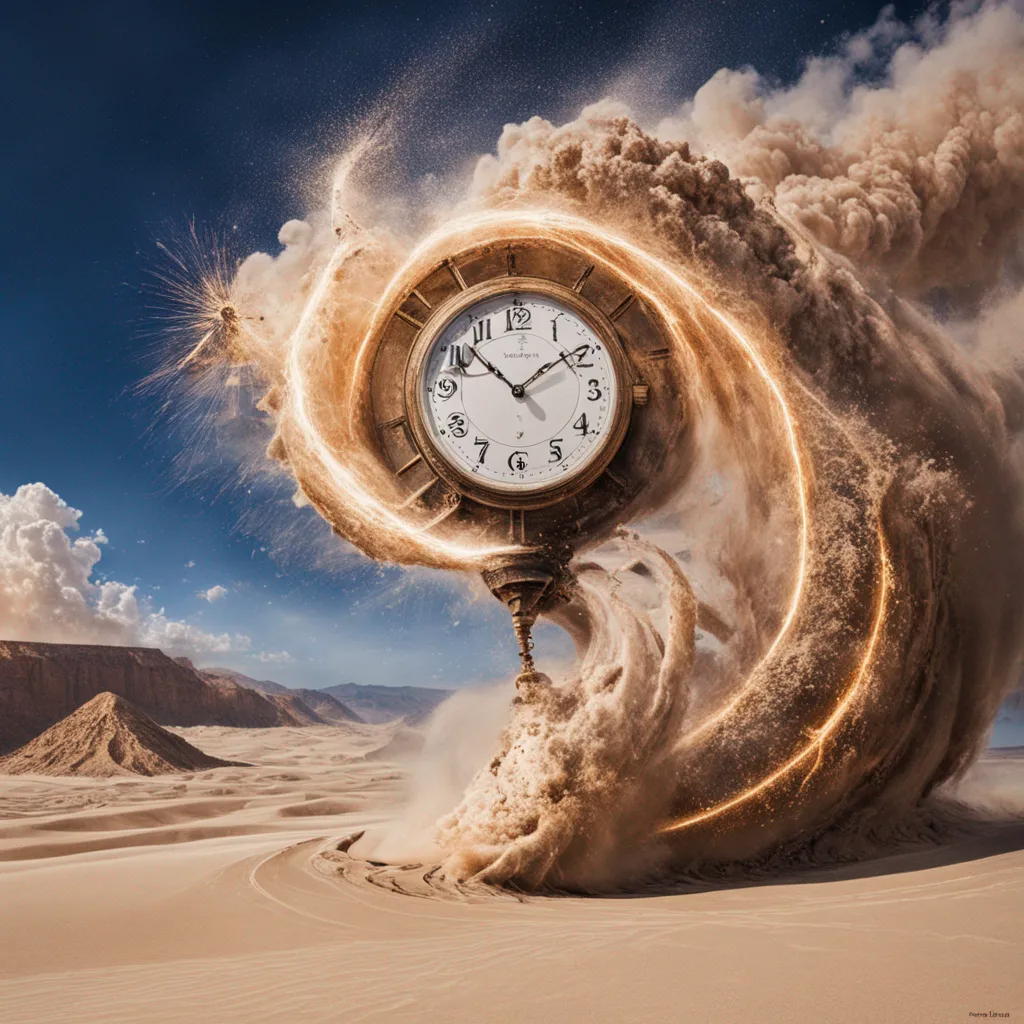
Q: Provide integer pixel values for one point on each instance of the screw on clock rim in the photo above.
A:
(512, 496)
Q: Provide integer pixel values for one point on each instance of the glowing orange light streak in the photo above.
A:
(574, 231)
(342, 478)
(827, 728)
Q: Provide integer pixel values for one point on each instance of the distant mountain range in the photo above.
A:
(386, 703)
(42, 683)
(360, 702)
(315, 707)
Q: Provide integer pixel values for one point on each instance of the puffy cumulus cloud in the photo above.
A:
(905, 152)
(47, 590)
(174, 636)
(215, 593)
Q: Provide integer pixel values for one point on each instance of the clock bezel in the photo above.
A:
(511, 496)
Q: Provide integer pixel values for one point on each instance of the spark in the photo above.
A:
(194, 301)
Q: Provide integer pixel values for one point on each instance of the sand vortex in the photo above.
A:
(851, 521)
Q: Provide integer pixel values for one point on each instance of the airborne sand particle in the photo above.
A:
(856, 503)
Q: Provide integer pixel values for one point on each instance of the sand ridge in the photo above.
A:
(211, 896)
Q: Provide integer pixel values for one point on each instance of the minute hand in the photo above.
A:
(544, 369)
(497, 373)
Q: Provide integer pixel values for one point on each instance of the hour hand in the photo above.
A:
(544, 369)
(493, 369)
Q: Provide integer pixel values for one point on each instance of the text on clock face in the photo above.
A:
(519, 390)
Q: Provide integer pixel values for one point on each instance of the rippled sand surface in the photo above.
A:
(221, 896)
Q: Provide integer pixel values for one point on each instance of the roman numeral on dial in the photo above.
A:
(459, 357)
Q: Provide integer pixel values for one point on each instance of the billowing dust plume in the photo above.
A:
(815, 629)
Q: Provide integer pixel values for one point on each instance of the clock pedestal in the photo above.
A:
(527, 582)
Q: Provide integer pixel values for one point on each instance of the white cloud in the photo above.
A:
(47, 590)
(217, 593)
(274, 657)
(190, 564)
(175, 636)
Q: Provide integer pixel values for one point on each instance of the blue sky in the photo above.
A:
(126, 120)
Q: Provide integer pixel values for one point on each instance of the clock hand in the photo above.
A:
(497, 373)
(544, 369)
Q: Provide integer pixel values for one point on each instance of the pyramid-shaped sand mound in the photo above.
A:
(106, 737)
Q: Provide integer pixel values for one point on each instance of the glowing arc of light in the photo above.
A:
(574, 228)
(823, 731)
(342, 478)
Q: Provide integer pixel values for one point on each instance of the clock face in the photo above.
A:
(519, 392)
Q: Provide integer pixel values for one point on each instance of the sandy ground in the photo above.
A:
(204, 897)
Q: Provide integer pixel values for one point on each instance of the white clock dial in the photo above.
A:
(519, 392)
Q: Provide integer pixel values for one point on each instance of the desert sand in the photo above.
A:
(219, 896)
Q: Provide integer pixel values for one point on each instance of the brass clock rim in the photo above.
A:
(499, 495)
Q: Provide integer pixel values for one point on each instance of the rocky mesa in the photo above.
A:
(42, 683)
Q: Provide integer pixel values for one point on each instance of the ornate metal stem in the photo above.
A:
(522, 623)
(525, 582)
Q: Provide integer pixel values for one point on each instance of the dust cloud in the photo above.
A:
(814, 630)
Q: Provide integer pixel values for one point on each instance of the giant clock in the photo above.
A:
(524, 394)
(518, 392)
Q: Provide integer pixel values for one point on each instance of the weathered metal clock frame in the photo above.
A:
(543, 528)
(508, 496)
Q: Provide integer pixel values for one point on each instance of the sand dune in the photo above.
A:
(211, 896)
(107, 736)
(41, 683)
